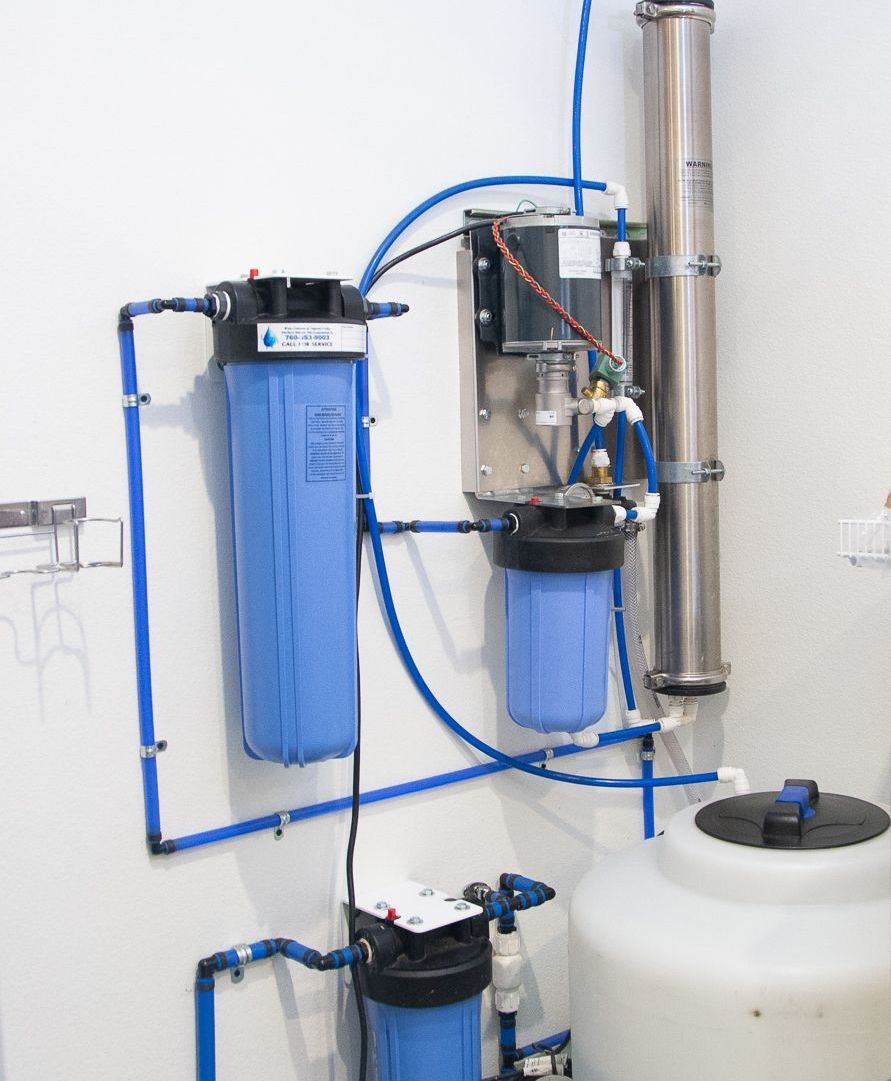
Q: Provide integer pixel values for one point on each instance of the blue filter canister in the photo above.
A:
(558, 603)
(424, 1000)
(289, 349)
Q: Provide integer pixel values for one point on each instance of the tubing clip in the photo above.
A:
(369, 422)
(153, 749)
(284, 818)
(243, 954)
(133, 401)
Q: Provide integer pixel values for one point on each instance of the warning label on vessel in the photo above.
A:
(546, 416)
(697, 186)
(310, 338)
(325, 443)
(578, 253)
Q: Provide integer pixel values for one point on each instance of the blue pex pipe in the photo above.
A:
(578, 83)
(649, 802)
(140, 587)
(484, 525)
(549, 1041)
(621, 224)
(205, 1029)
(377, 795)
(649, 457)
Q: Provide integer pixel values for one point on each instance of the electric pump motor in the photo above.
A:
(288, 347)
(562, 252)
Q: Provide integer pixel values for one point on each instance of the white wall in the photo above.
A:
(150, 150)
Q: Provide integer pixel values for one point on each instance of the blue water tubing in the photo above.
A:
(482, 525)
(577, 188)
(440, 710)
(648, 748)
(131, 401)
(205, 1019)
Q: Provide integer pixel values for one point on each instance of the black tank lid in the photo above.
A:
(799, 816)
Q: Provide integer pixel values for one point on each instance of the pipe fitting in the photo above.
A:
(735, 776)
(619, 193)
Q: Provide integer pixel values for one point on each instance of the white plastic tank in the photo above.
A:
(752, 945)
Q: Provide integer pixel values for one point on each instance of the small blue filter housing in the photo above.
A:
(289, 349)
(424, 1004)
(558, 602)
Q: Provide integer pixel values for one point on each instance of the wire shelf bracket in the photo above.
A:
(64, 521)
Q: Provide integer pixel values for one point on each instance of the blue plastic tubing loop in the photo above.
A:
(440, 710)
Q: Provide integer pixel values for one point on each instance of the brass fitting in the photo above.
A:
(600, 474)
(598, 389)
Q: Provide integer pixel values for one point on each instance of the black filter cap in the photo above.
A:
(798, 816)
(282, 318)
(561, 540)
(436, 968)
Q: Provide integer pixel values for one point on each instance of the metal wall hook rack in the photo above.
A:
(63, 521)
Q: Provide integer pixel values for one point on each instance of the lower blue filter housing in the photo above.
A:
(558, 602)
(438, 1044)
(557, 640)
(291, 407)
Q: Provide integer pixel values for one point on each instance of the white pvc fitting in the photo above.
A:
(737, 777)
(604, 411)
(619, 193)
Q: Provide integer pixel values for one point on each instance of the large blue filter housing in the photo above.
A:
(289, 349)
(424, 1001)
(558, 601)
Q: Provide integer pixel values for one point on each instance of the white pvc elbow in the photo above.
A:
(619, 193)
(628, 406)
(604, 411)
(737, 777)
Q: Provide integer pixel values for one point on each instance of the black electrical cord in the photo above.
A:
(354, 815)
(469, 227)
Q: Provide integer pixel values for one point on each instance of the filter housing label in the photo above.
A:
(311, 338)
(325, 443)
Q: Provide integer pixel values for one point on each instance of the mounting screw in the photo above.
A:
(461, 906)
(524, 468)
(382, 906)
(485, 414)
(484, 265)
(237, 974)
(522, 414)
(414, 920)
(426, 892)
(486, 318)
(278, 833)
(369, 422)
(486, 470)
(145, 398)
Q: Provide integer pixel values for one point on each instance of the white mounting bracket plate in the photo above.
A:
(419, 907)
